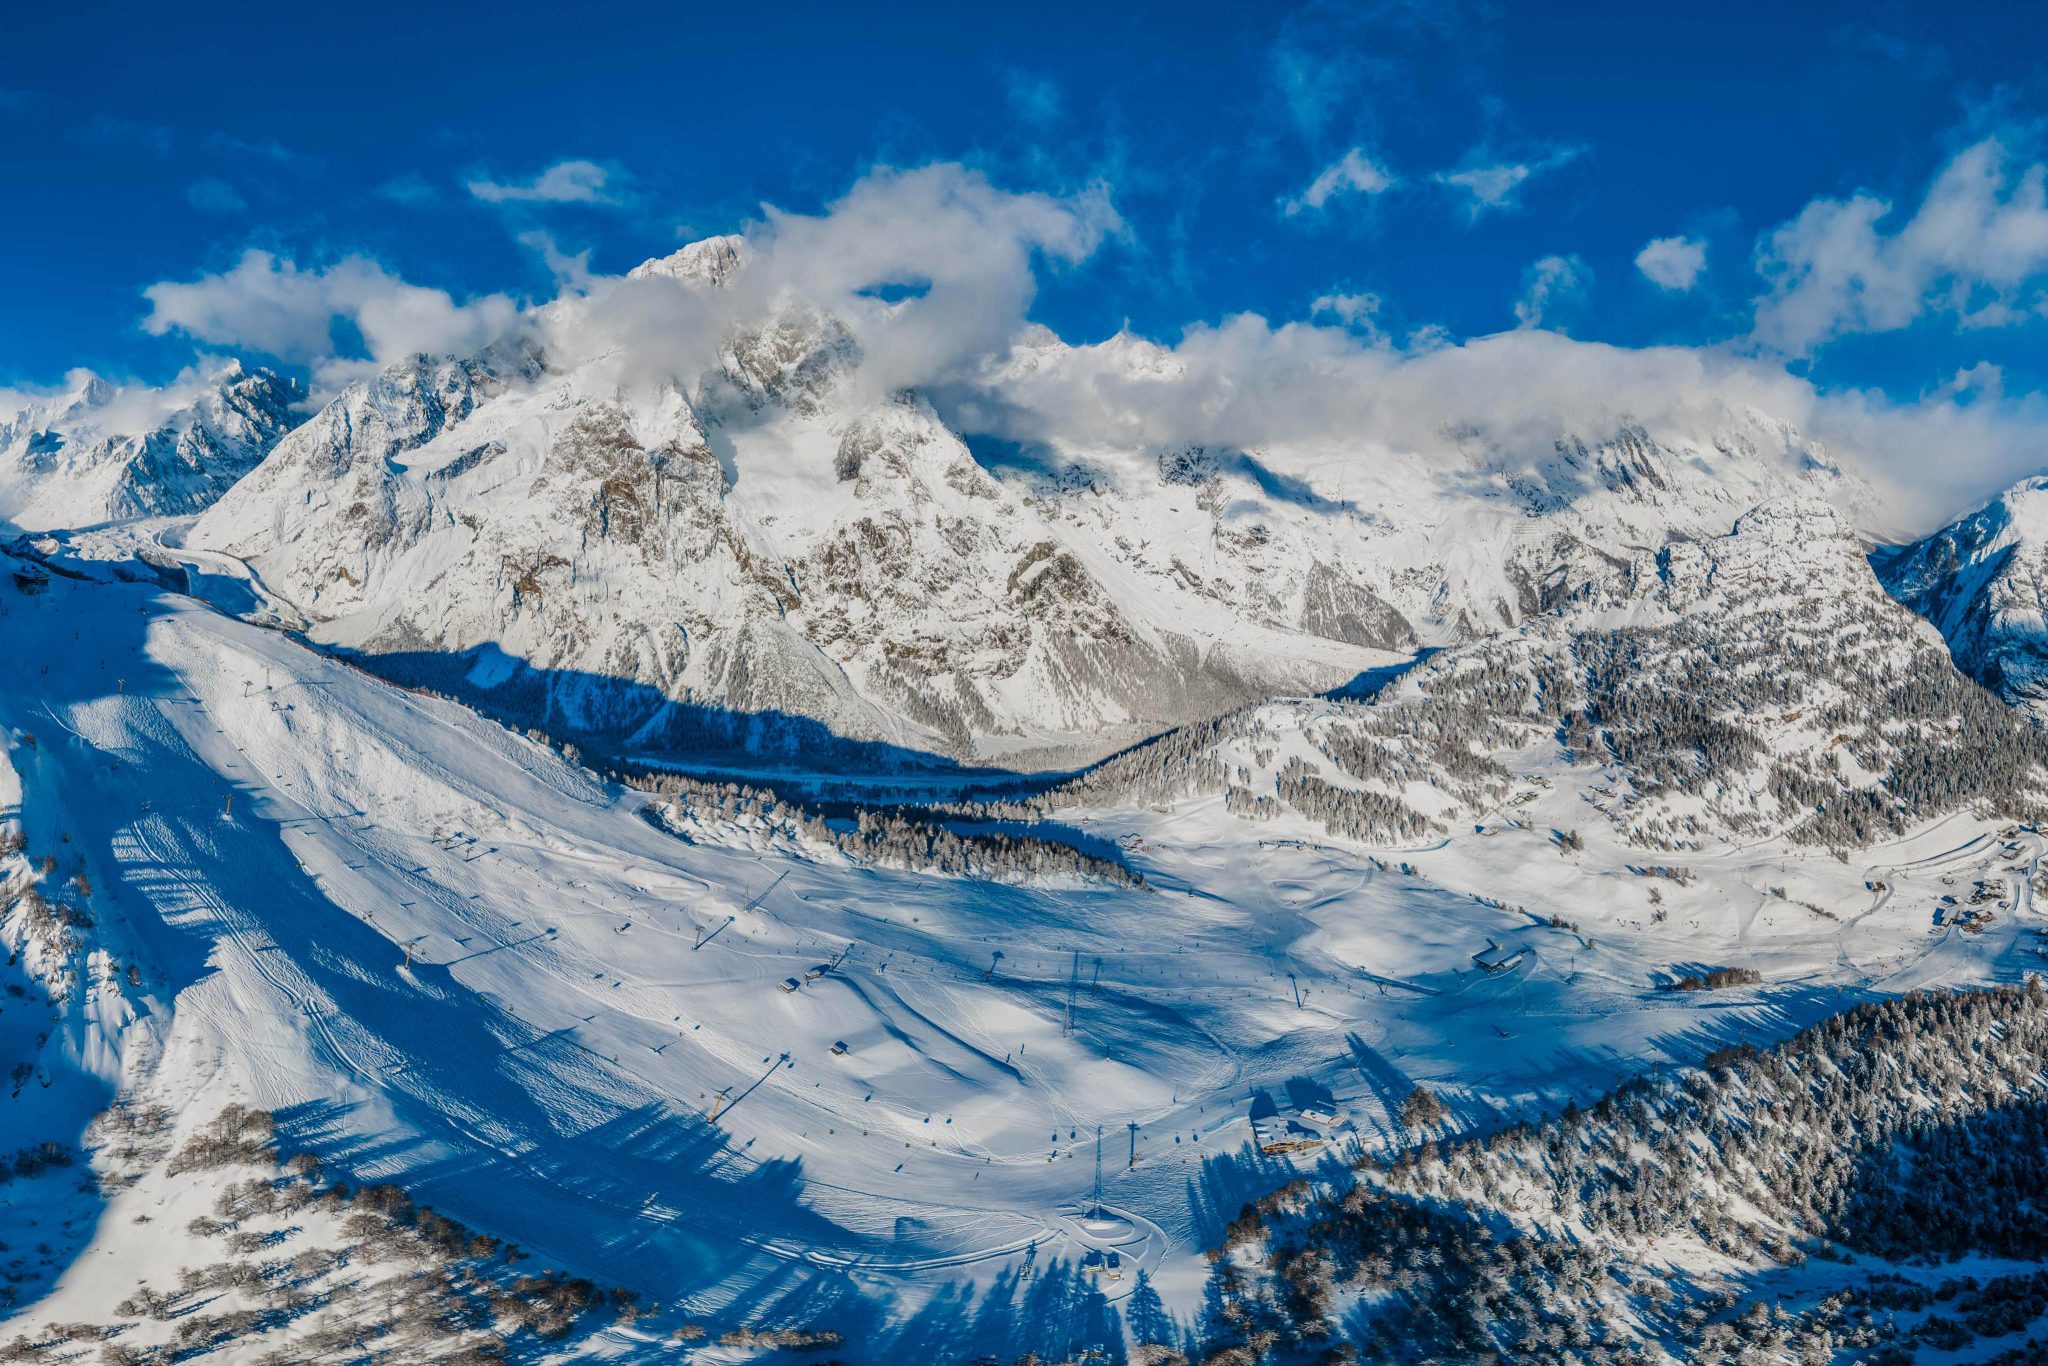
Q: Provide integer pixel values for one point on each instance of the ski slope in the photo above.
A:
(450, 960)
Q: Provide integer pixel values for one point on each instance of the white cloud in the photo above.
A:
(1976, 248)
(271, 305)
(1246, 383)
(962, 254)
(1673, 263)
(1490, 185)
(1982, 380)
(571, 271)
(1353, 310)
(211, 194)
(966, 260)
(565, 182)
(1352, 173)
(1550, 281)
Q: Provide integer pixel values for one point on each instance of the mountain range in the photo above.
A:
(97, 452)
(763, 554)
(666, 846)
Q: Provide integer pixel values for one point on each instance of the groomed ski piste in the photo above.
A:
(761, 1085)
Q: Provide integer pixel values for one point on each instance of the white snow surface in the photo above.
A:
(266, 830)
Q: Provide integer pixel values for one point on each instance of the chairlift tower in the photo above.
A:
(1073, 985)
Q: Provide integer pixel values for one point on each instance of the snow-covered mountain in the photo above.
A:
(743, 554)
(598, 567)
(1679, 765)
(97, 452)
(1759, 685)
(294, 955)
(1983, 581)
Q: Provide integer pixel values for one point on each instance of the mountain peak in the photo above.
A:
(711, 262)
(99, 451)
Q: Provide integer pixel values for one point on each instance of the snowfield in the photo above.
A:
(762, 1085)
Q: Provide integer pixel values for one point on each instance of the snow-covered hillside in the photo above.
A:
(1789, 1204)
(1752, 686)
(758, 550)
(773, 1084)
(1983, 581)
(99, 452)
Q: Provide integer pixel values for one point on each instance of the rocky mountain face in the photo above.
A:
(597, 568)
(1759, 684)
(100, 452)
(766, 555)
(1983, 581)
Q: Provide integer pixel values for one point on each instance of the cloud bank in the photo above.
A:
(934, 271)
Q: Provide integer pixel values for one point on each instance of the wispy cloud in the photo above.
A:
(1352, 310)
(266, 149)
(1673, 263)
(1490, 185)
(270, 304)
(571, 271)
(109, 130)
(1330, 61)
(1312, 85)
(565, 182)
(1034, 97)
(1548, 283)
(1352, 173)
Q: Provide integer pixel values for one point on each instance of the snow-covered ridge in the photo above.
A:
(1755, 685)
(1983, 581)
(97, 452)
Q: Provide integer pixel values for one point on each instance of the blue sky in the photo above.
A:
(1409, 171)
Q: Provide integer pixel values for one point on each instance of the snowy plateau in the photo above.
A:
(523, 859)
